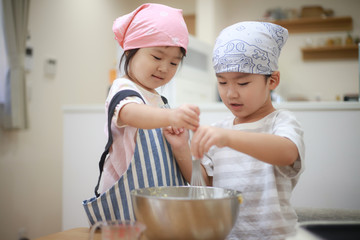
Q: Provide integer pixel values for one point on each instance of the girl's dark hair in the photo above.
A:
(129, 54)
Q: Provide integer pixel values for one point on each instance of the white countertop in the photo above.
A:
(218, 106)
(297, 106)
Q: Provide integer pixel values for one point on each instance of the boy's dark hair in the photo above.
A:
(129, 54)
(267, 76)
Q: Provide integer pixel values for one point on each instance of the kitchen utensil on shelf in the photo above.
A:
(170, 213)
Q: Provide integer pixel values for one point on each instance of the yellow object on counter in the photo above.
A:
(349, 40)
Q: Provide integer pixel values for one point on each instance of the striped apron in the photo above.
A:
(152, 165)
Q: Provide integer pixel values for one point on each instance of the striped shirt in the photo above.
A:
(266, 212)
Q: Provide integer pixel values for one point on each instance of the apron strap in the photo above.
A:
(164, 100)
(114, 102)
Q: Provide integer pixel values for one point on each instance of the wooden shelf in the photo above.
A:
(332, 52)
(303, 25)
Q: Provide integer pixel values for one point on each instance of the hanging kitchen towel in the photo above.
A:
(152, 165)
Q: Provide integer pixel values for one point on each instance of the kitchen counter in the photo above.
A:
(331, 230)
(302, 234)
(83, 234)
(72, 234)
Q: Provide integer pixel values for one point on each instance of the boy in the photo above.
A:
(260, 150)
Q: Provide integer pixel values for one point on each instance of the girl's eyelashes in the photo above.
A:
(243, 84)
(157, 58)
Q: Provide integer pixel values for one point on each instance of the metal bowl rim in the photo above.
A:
(134, 193)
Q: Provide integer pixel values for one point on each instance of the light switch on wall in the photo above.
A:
(50, 67)
(28, 59)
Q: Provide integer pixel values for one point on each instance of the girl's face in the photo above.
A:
(246, 95)
(154, 67)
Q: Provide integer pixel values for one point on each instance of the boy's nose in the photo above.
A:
(231, 92)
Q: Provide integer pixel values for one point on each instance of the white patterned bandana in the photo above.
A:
(249, 47)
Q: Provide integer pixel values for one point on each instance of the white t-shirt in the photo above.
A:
(266, 212)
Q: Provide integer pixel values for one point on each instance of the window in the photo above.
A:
(3, 59)
(14, 18)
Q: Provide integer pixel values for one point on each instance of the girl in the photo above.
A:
(259, 150)
(154, 38)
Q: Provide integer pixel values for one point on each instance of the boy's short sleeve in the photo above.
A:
(208, 165)
(287, 126)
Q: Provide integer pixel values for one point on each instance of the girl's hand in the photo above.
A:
(205, 137)
(181, 150)
(185, 116)
(177, 137)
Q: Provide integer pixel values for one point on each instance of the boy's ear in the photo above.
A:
(274, 80)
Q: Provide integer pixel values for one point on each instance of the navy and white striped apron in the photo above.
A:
(152, 165)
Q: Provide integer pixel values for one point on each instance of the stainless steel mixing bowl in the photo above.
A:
(170, 213)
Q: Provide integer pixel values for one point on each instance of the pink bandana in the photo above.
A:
(151, 25)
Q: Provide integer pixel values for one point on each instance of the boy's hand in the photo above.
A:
(205, 137)
(185, 116)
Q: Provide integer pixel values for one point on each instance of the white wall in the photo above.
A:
(78, 35)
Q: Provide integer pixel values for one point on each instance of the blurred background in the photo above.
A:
(71, 54)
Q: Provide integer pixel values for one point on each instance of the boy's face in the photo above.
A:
(247, 95)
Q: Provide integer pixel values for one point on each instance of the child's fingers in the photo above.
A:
(193, 117)
(178, 130)
(169, 129)
(201, 141)
(189, 121)
(187, 116)
(195, 109)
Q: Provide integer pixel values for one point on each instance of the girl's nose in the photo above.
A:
(162, 67)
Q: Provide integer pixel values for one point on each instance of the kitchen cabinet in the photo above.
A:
(316, 25)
